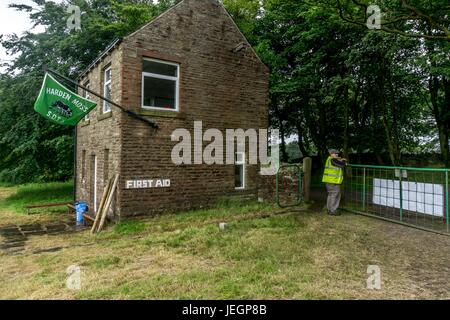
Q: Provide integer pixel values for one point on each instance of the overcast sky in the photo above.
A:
(12, 21)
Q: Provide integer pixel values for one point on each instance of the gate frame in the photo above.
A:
(446, 191)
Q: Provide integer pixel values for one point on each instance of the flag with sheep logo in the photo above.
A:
(60, 105)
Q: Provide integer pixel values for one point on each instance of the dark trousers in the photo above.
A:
(334, 197)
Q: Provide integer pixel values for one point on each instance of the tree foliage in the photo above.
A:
(337, 84)
(333, 82)
(404, 17)
(30, 147)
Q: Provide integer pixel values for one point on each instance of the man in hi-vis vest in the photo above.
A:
(333, 175)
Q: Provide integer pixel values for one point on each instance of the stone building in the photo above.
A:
(191, 63)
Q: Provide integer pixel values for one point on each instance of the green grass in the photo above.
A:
(37, 193)
(6, 185)
(103, 262)
(129, 227)
(293, 256)
(264, 253)
(274, 257)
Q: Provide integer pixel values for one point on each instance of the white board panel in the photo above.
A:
(420, 197)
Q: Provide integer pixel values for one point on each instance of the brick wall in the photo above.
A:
(222, 88)
(100, 136)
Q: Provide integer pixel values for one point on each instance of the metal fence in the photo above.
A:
(417, 197)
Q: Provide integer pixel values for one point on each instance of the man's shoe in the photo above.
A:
(334, 213)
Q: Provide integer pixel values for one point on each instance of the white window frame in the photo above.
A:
(164, 77)
(240, 163)
(106, 83)
(87, 95)
(95, 183)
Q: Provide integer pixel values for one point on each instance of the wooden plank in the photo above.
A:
(102, 203)
(307, 170)
(70, 209)
(88, 216)
(108, 203)
(58, 204)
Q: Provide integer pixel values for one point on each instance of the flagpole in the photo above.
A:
(75, 164)
(129, 112)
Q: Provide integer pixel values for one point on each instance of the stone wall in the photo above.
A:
(220, 87)
(100, 136)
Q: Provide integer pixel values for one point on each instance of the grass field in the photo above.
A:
(35, 193)
(264, 253)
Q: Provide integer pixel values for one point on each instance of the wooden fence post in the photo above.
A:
(307, 168)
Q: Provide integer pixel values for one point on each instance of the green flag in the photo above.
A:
(60, 105)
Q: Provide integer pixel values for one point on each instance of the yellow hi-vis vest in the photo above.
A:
(332, 173)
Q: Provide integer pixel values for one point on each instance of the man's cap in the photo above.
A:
(333, 151)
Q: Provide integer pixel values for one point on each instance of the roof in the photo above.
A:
(118, 41)
(100, 57)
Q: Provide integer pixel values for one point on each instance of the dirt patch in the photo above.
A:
(6, 192)
(16, 236)
(55, 249)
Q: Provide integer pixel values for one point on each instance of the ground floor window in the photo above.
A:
(83, 164)
(239, 170)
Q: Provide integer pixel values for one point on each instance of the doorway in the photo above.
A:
(93, 195)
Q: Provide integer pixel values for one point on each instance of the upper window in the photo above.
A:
(87, 95)
(160, 85)
(107, 76)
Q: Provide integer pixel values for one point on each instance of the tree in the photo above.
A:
(429, 23)
(402, 17)
(380, 63)
(335, 84)
(305, 46)
(435, 70)
(30, 147)
(332, 83)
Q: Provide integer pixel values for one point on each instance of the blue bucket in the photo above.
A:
(80, 208)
